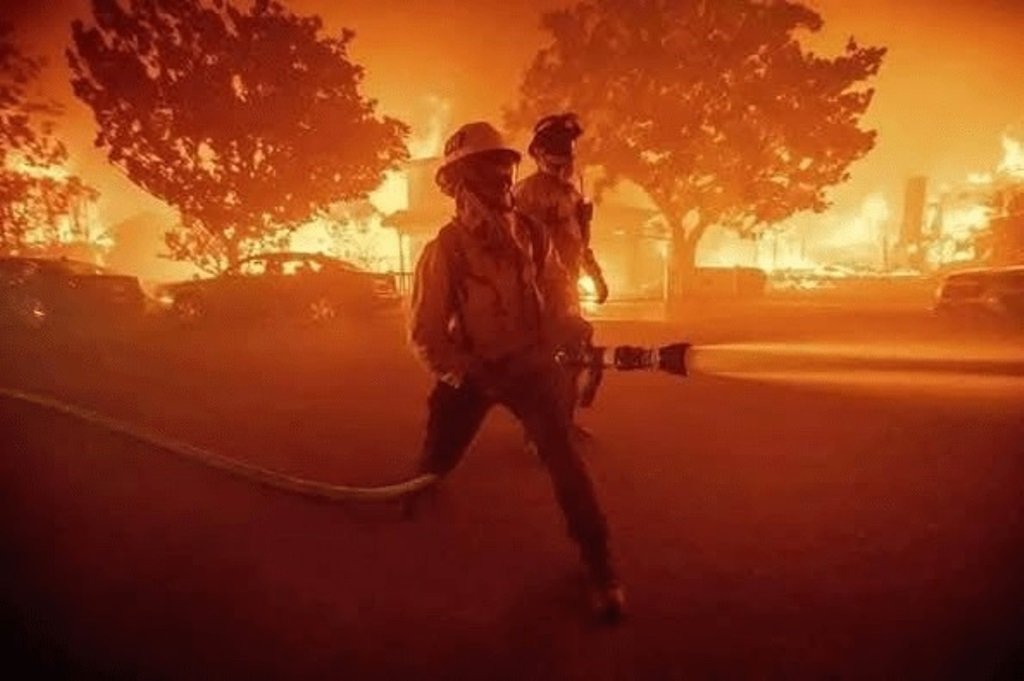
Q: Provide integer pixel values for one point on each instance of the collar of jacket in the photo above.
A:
(561, 172)
(493, 229)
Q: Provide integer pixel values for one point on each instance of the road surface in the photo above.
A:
(776, 519)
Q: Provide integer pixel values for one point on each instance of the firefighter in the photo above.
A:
(486, 299)
(550, 198)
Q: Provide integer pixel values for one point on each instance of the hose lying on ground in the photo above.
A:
(257, 474)
(670, 359)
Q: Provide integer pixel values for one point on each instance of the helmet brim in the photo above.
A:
(443, 177)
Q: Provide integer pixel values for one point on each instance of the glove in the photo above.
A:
(571, 331)
(602, 288)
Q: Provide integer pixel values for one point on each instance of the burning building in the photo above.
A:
(980, 221)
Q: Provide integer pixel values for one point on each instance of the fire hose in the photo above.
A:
(670, 359)
(236, 467)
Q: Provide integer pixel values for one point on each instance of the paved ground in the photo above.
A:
(857, 517)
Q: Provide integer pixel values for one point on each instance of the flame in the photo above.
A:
(957, 224)
(1012, 163)
(53, 172)
(79, 226)
(313, 237)
(372, 245)
(428, 144)
(587, 287)
(588, 294)
(857, 237)
(393, 193)
(957, 216)
(368, 245)
(964, 213)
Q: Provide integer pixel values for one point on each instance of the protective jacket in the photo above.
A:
(561, 209)
(487, 288)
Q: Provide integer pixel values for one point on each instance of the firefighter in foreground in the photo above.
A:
(487, 312)
(549, 197)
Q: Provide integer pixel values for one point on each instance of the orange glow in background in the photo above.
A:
(949, 106)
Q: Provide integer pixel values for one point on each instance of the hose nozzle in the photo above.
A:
(668, 358)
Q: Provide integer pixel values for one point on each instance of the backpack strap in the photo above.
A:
(455, 256)
(458, 271)
(538, 240)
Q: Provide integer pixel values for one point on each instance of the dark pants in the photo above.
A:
(536, 397)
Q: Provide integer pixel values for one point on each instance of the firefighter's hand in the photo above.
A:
(570, 331)
(602, 289)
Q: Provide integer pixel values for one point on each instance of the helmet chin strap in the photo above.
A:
(559, 166)
(473, 203)
(484, 200)
(490, 197)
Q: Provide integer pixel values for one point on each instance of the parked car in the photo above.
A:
(300, 286)
(45, 292)
(737, 283)
(995, 292)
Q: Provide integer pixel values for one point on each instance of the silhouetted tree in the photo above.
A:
(247, 120)
(40, 202)
(713, 107)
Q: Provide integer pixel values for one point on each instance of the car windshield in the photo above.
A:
(1012, 279)
(78, 268)
(301, 266)
(346, 266)
(295, 265)
(29, 266)
(254, 267)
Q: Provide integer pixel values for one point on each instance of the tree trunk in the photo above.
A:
(682, 261)
(232, 253)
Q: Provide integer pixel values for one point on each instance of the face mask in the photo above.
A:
(491, 179)
(561, 166)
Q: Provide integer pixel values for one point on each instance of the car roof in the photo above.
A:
(285, 255)
(47, 261)
(983, 271)
(289, 255)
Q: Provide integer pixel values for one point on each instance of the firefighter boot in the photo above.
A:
(606, 594)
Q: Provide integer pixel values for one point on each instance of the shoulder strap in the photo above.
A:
(538, 240)
(454, 253)
(458, 271)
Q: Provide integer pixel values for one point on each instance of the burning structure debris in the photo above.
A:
(978, 222)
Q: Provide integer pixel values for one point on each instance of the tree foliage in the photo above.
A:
(714, 108)
(356, 230)
(40, 202)
(248, 120)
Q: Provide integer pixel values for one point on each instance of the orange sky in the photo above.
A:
(950, 86)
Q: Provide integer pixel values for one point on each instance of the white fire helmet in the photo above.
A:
(471, 139)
